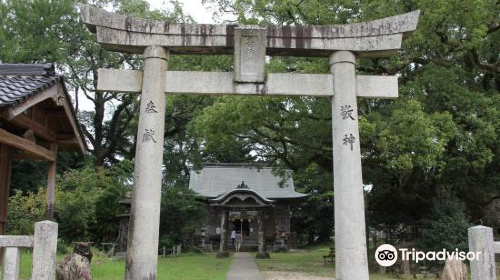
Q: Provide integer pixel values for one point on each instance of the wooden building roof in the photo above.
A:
(35, 105)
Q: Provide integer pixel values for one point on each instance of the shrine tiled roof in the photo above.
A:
(26, 85)
(19, 82)
(219, 179)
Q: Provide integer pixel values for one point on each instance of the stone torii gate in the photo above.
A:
(343, 44)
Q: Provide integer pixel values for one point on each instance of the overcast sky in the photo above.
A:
(200, 13)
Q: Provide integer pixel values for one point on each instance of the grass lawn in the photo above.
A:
(308, 261)
(185, 267)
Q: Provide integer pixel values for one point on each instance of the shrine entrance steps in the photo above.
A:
(244, 268)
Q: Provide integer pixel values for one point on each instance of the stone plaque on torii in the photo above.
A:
(343, 44)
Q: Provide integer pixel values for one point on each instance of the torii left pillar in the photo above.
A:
(142, 253)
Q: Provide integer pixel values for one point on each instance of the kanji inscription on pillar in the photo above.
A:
(150, 108)
(250, 43)
(346, 112)
(349, 140)
(148, 136)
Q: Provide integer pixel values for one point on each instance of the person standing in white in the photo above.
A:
(233, 235)
(239, 240)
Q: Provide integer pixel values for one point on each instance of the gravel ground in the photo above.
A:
(286, 275)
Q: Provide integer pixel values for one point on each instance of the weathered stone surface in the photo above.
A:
(142, 253)
(25, 241)
(124, 41)
(249, 54)
(11, 263)
(44, 251)
(351, 261)
(74, 267)
(374, 38)
(404, 23)
(454, 270)
(481, 240)
(221, 83)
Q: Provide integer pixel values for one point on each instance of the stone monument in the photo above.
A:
(342, 44)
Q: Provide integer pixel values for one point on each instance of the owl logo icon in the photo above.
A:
(386, 255)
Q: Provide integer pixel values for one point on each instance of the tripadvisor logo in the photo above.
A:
(387, 255)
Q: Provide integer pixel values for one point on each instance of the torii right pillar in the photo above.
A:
(351, 261)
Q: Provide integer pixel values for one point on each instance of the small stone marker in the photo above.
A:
(481, 240)
(44, 251)
(454, 270)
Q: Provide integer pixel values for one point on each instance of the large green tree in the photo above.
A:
(438, 139)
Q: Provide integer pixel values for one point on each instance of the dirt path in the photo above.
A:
(286, 275)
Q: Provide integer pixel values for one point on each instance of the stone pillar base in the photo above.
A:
(263, 255)
(222, 255)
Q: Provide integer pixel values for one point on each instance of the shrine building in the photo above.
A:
(245, 198)
(37, 120)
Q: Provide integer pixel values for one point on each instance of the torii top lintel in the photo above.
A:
(378, 38)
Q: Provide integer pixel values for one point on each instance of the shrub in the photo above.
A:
(181, 215)
(24, 211)
(87, 202)
(446, 227)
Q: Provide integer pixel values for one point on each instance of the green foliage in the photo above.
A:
(31, 30)
(313, 218)
(28, 176)
(181, 215)
(446, 227)
(24, 210)
(87, 202)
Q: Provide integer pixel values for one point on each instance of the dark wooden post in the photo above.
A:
(5, 168)
(51, 185)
